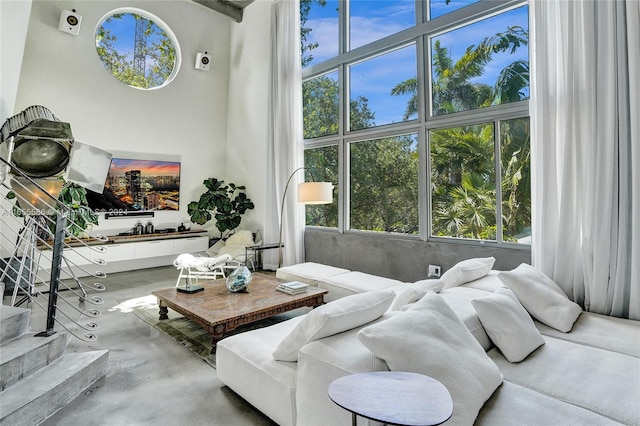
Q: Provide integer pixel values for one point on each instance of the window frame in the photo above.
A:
(419, 35)
(157, 21)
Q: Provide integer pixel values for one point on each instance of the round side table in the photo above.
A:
(399, 398)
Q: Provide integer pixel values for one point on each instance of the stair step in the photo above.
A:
(22, 356)
(35, 398)
(13, 322)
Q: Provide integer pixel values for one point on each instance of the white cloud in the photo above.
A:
(366, 25)
(365, 30)
(324, 32)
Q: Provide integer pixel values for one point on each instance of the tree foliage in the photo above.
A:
(384, 185)
(305, 45)
(383, 173)
(158, 50)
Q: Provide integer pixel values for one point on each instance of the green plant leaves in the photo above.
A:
(227, 203)
(80, 215)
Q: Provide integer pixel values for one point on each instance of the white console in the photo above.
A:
(125, 253)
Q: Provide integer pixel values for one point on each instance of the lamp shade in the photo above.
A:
(32, 198)
(315, 193)
(40, 157)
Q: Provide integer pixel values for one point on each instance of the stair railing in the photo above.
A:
(36, 234)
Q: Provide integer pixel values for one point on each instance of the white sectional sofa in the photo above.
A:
(338, 282)
(588, 375)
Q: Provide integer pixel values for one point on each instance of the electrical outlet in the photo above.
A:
(434, 271)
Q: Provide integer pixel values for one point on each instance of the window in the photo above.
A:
(370, 21)
(475, 66)
(137, 48)
(384, 185)
(515, 154)
(322, 164)
(320, 106)
(463, 182)
(318, 30)
(422, 123)
(439, 8)
(378, 92)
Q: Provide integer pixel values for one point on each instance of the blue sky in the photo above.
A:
(374, 19)
(124, 29)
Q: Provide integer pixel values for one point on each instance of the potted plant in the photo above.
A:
(224, 202)
(81, 217)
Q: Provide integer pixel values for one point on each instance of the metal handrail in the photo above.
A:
(57, 245)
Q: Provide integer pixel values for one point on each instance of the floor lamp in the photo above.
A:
(308, 193)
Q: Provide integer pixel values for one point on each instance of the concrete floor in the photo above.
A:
(151, 379)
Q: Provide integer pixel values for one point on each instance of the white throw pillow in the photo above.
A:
(467, 270)
(542, 297)
(430, 339)
(409, 293)
(508, 324)
(333, 318)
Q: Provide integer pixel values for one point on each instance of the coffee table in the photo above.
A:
(219, 311)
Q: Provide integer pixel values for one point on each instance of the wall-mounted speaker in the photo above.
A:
(70, 22)
(203, 61)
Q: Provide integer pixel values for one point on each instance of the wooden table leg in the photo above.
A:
(216, 336)
(164, 312)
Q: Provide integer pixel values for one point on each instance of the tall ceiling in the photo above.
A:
(232, 8)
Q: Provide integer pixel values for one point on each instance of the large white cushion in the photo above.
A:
(459, 299)
(542, 297)
(332, 318)
(602, 381)
(409, 293)
(430, 339)
(323, 361)
(354, 282)
(513, 404)
(244, 363)
(601, 331)
(508, 324)
(308, 272)
(467, 270)
(489, 282)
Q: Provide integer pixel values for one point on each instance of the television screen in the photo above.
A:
(138, 185)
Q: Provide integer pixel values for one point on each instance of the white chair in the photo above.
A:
(209, 268)
(237, 246)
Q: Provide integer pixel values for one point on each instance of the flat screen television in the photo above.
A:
(138, 186)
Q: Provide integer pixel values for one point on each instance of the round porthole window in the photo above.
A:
(137, 48)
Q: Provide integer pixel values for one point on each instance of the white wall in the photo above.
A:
(14, 22)
(187, 118)
(248, 101)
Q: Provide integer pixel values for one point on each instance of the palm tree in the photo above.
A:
(409, 86)
(463, 192)
(470, 210)
(452, 90)
(515, 76)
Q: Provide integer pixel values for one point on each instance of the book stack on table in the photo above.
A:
(293, 287)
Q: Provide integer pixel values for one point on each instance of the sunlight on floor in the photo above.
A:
(147, 302)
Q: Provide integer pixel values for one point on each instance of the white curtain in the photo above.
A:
(586, 150)
(285, 149)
